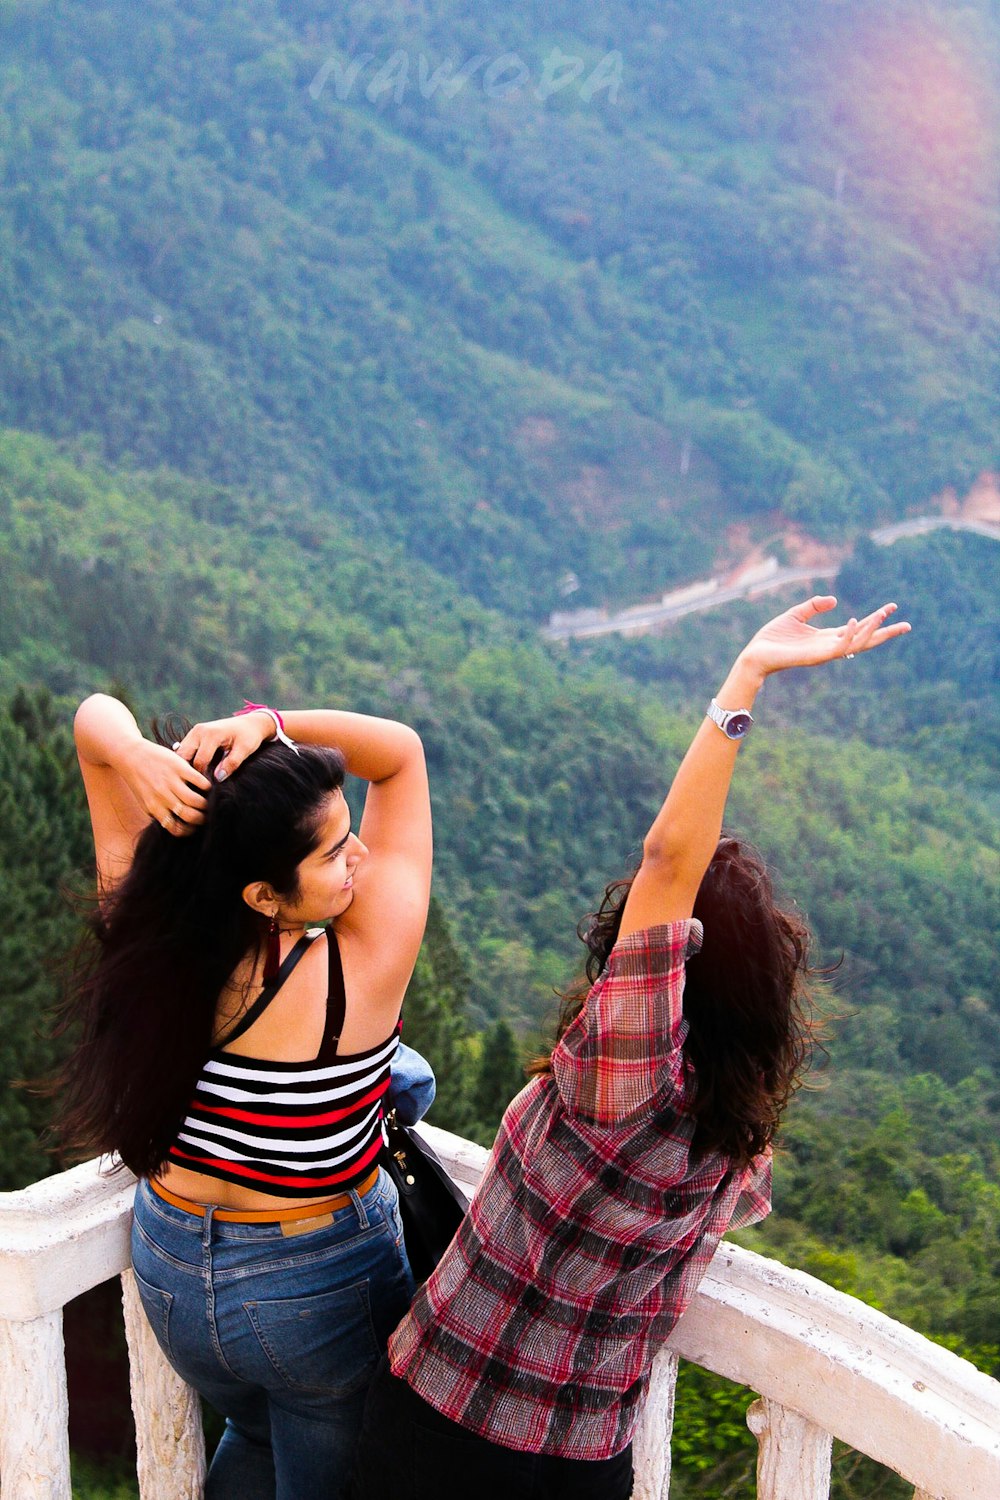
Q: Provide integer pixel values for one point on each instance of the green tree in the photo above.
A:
(499, 1076)
(44, 847)
(435, 1022)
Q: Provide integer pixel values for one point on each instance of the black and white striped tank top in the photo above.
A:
(292, 1129)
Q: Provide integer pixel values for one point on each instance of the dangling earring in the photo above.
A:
(272, 963)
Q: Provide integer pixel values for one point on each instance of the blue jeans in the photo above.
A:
(281, 1333)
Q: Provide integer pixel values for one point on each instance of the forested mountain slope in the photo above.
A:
(560, 317)
(545, 770)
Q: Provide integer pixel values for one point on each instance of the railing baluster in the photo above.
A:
(34, 1410)
(793, 1462)
(170, 1448)
(651, 1446)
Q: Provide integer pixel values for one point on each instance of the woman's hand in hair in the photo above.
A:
(165, 786)
(130, 780)
(790, 640)
(239, 736)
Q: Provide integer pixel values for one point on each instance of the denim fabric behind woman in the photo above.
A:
(281, 1333)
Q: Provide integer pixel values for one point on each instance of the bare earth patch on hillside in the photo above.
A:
(982, 503)
(741, 553)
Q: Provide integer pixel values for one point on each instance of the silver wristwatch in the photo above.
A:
(734, 722)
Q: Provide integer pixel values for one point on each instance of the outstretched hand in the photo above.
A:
(790, 640)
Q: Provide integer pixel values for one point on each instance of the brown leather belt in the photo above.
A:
(300, 1215)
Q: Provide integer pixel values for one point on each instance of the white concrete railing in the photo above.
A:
(824, 1365)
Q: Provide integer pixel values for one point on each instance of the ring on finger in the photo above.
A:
(849, 656)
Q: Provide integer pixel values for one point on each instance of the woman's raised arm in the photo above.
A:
(396, 822)
(684, 834)
(129, 781)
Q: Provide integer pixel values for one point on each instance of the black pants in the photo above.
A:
(409, 1451)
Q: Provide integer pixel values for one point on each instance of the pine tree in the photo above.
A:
(435, 1021)
(499, 1076)
(44, 846)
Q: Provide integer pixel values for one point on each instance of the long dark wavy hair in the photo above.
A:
(142, 1000)
(747, 1001)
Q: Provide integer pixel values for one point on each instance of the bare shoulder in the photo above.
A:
(375, 984)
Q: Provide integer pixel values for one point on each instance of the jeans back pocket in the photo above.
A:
(319, 1344)
(157, 1305)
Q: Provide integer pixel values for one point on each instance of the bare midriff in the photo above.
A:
(198, 1187)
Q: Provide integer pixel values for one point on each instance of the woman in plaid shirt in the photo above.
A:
(522, 1365)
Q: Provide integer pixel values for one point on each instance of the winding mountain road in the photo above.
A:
(579, 624)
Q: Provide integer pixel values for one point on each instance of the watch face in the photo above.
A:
(738, 726)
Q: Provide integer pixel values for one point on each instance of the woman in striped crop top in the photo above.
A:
(237, 1026)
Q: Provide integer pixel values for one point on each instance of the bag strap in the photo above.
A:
(269, 991)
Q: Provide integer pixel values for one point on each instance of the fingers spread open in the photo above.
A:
(874, 631)
(871, 622)
(889, 633)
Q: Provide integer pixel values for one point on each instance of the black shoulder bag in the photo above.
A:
(431, 1205)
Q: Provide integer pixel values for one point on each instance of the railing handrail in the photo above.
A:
(885, 1390)
(88, 1209)
(844, 1367)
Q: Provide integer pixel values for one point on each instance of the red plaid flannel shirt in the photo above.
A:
(589, 1232)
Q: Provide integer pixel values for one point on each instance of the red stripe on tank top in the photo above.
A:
(293, 1122)
(327, 1180)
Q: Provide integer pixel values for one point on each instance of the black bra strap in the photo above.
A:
(336, 1002)
(269, 991)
